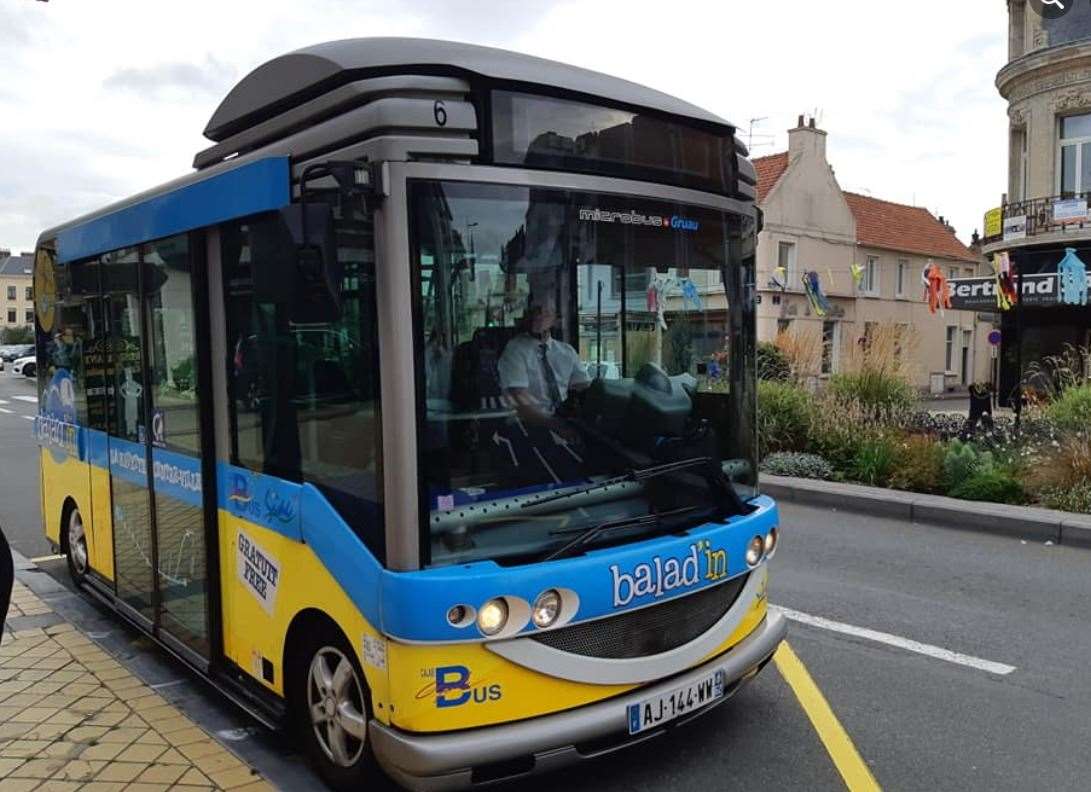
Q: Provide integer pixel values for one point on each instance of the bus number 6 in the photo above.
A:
(440, 113)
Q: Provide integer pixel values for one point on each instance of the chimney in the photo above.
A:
(807, 141)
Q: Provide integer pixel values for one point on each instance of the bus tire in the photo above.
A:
(332, 709)
(75, 544)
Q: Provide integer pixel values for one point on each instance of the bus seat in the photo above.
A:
(475, 381)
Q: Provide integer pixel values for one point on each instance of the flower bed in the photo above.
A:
(864, 431)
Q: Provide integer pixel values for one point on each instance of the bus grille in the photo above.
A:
(647, 631)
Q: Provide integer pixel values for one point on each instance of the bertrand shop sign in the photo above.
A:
(979, 294)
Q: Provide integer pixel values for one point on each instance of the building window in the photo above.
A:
(831, 336)
(903, 269)
(30, 317)
(949, 358)
(28, 293)
(783, 326)
(786, 259)
(871, 276)
(11, 316)
(11, 292)
(952, 273)
(1074, 154)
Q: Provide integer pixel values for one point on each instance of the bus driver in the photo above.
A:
(536, 370)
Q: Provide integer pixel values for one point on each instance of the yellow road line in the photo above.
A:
(839, 746)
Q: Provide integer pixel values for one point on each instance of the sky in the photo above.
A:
(100, 99)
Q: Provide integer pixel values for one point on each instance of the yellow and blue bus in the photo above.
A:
(420, 417)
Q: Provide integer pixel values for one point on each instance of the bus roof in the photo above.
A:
(294, 78)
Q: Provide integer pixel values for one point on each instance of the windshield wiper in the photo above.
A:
(612, 525)
(636, 474)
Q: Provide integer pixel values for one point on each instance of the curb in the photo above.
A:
(1024, 522)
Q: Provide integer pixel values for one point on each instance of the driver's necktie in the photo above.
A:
(552, 390)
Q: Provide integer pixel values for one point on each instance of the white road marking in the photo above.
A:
(7, 411)
(31, 399)
(938, 652)
(40, 559)
(28, 417)
(3, 402)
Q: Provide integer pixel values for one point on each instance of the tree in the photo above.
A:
(17, 335)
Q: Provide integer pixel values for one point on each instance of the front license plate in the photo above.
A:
(666, 707)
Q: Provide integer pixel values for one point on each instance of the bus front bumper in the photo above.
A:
(457, 760)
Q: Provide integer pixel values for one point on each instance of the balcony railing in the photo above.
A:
(1037, 216)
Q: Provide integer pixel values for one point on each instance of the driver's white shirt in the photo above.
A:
(520, 366)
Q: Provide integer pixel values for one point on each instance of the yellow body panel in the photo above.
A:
(102, 518)
(65, 476)
(251, 632)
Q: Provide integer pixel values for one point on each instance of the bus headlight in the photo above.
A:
(492, 617)
(460, 615)
(546, 608)
(754, 551)
(770, 542)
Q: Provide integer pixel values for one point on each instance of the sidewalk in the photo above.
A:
(72, 718)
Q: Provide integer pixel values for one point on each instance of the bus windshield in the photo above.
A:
(586, 364)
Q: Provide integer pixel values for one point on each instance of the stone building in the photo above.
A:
(16, 290)
(1047, 84)
(812, 225)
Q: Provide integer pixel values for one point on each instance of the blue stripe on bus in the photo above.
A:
(267, 501)
(415, 604)
(256, 187)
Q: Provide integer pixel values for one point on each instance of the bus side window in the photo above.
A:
(305, 396)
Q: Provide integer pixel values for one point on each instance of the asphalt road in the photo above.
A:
(921, 717)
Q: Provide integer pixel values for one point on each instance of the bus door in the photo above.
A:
(155, 450)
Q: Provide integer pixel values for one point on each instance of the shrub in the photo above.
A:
(963, 462)
(919, 465)
(874, 461)
(882, 394)
(1071, 411)
(784, 417)
(801, 465)
(1070, 499)
(772, 363)
(990, 485)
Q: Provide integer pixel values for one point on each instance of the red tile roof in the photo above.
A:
(769, 169)
(881, 224)
(909, 229)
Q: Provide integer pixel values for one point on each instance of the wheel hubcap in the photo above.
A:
(77, 542)
(336, 702)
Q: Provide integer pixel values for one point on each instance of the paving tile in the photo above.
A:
(121, 735)
(144, 787)
(217, 763)
(228, 779)
(256, 786)
(23, 749)
(105, 751)
(103, 786)
(87, 733)
(46, 731)
(33, 714)
(7, 765)
(38, 768)
(186, 736)
(161, 774)
(121, 771)
(195, 777)
(79, 770)
(58, 786)
(18, 784)
(140, 753)
(198, 749)
(10, 731)
(63, 750)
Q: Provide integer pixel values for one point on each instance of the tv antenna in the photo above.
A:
(764, 138)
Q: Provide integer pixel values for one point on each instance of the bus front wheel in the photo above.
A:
(332, 707)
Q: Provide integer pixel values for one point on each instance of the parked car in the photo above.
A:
(27, 366)
(12, 352)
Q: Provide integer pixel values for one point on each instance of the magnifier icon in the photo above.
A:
(1056, 3)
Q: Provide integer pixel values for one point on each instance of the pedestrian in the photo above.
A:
(7, 579)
